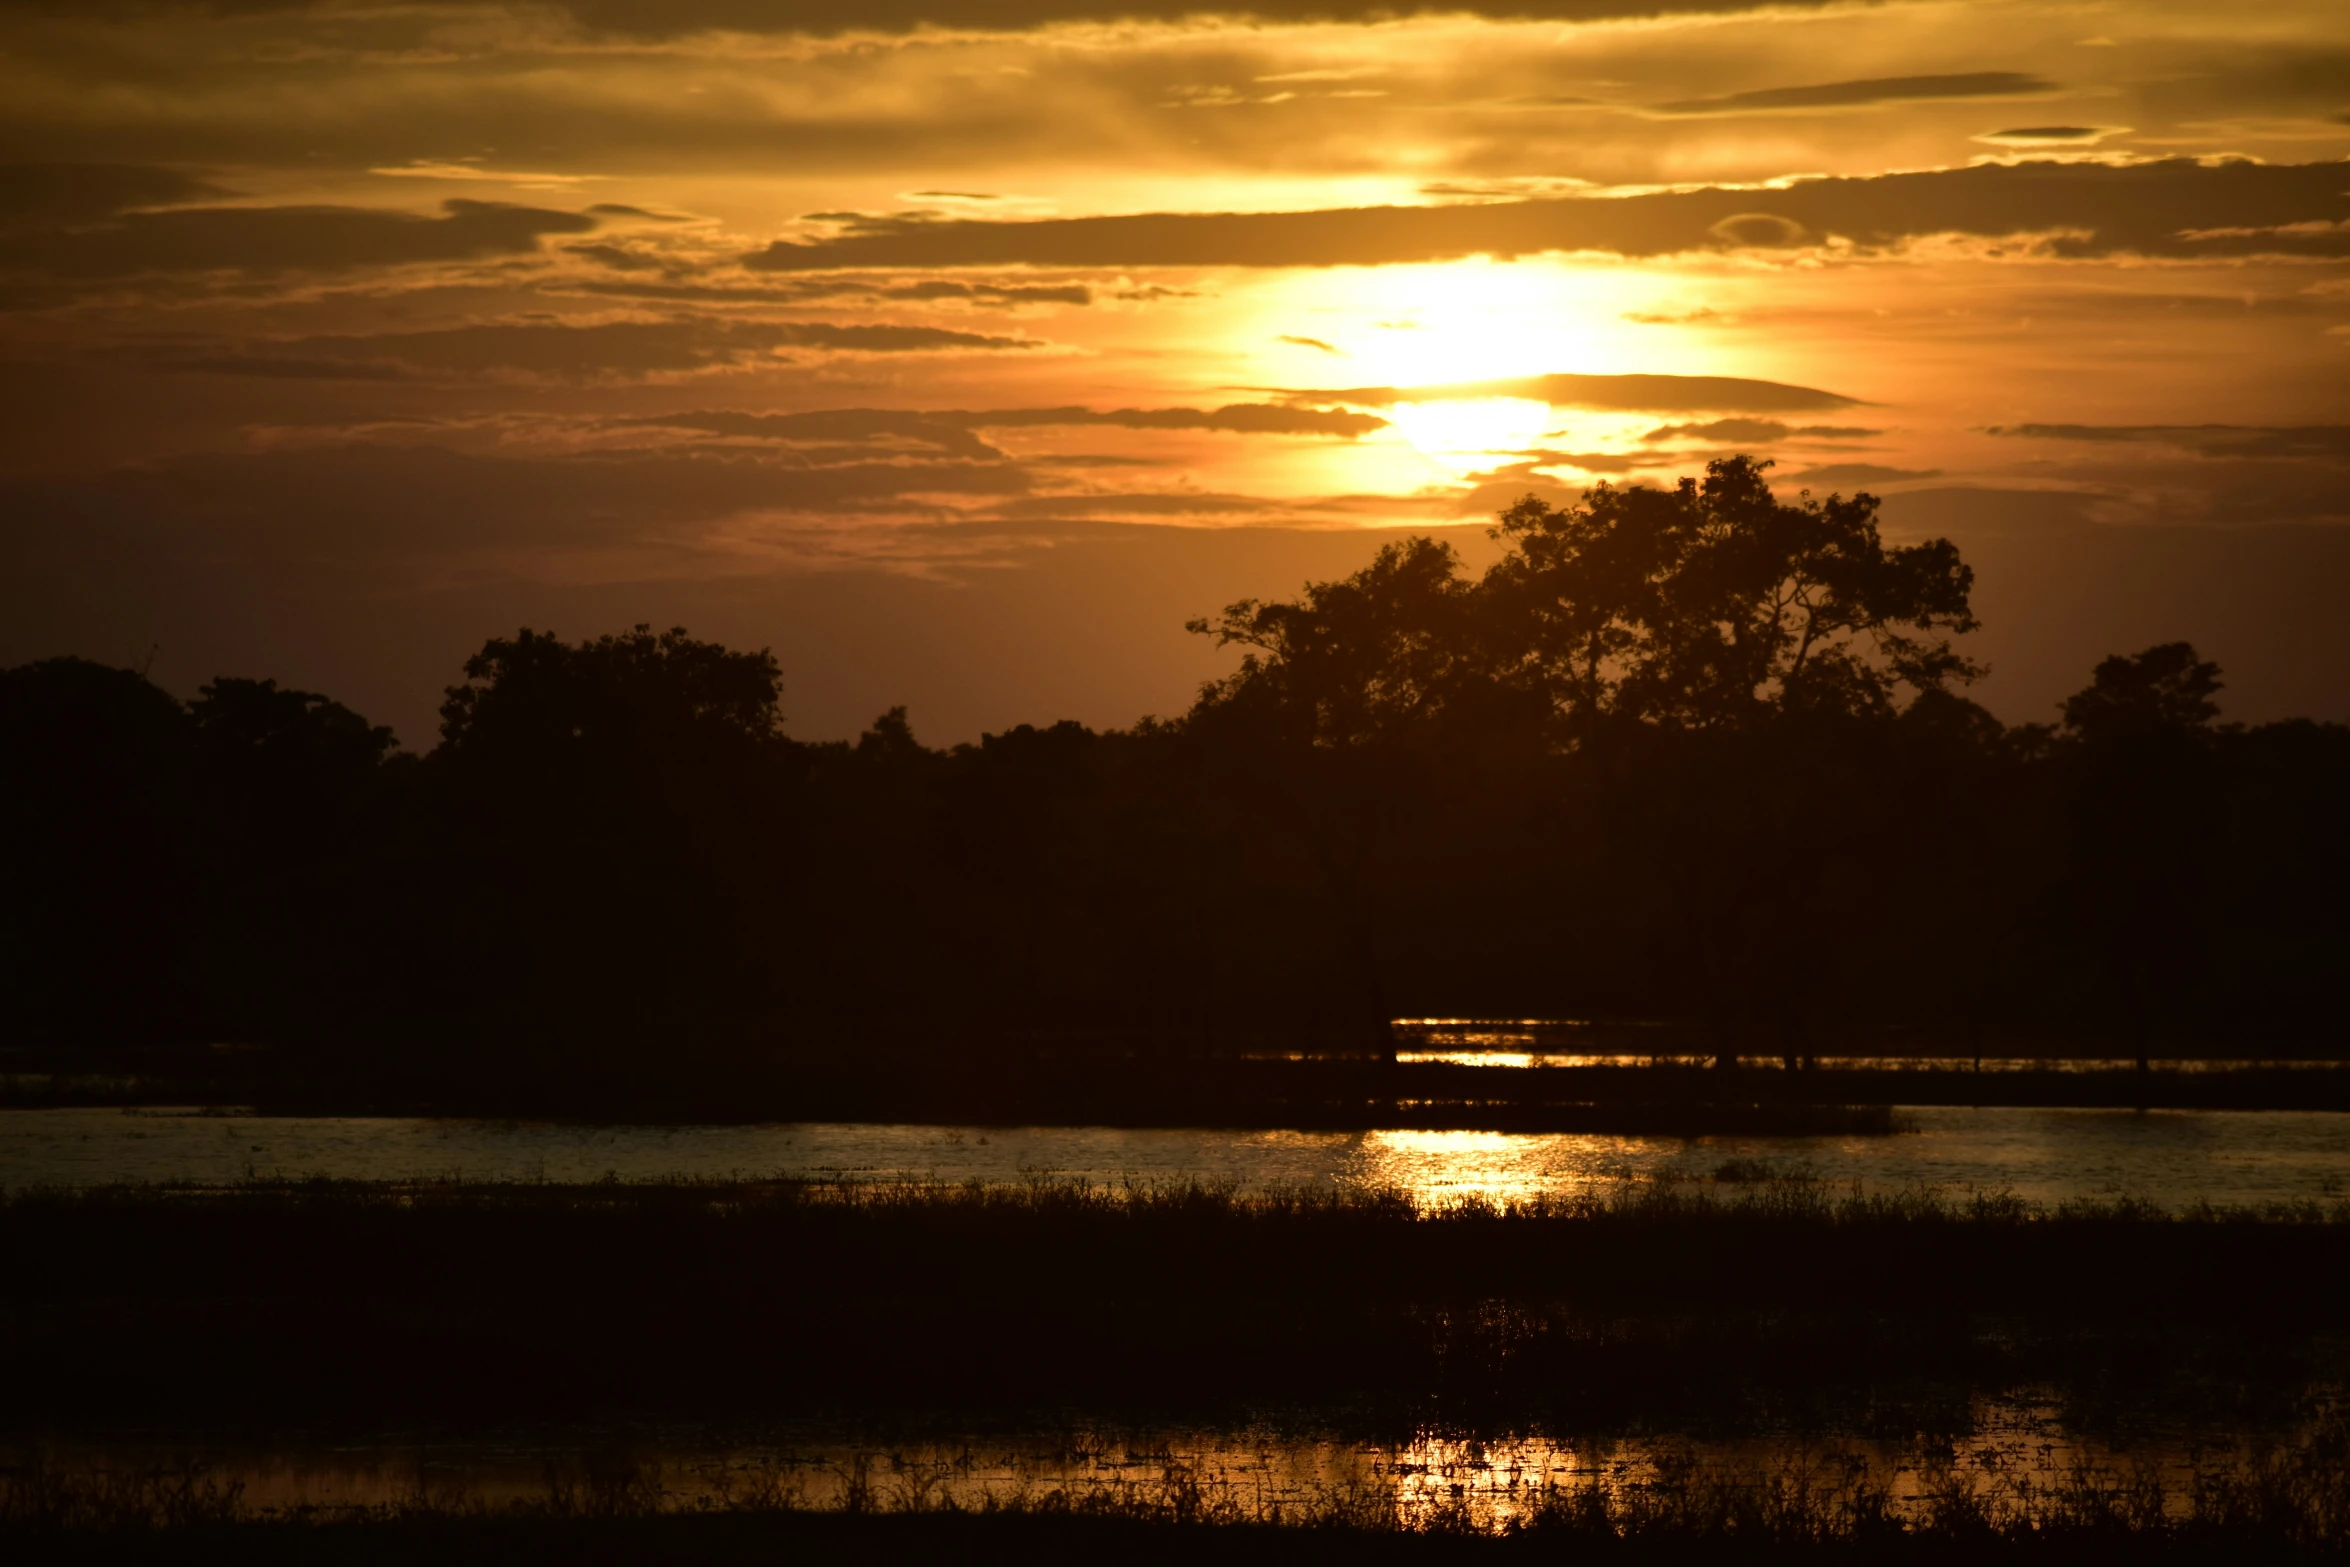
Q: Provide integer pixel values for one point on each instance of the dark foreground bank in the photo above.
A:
(330, 1308)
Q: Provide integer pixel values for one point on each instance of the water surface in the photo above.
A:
(2172, 1157)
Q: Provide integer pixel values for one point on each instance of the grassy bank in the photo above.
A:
(1699, 1307)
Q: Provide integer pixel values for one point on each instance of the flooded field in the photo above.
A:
(2014, 1457)
(2173, 1158)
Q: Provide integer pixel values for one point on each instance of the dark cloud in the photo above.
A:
(375, 506)
(1152, 503)
(2273, 78)
(623, 348)
(1238, 418)
(2323, 442)
(278, 239)
(1859, 473)
(1881, 89)
(79, 192)
(2177, 207)
(1760, 231)
(826, 16)
(895, 339)
(2313, 239)
(709, 293)
(1758, 430)
(951, 430)
(929, 291)
(2046, 133)
(278, 367)
(1615, 393)
(1307, 342)
(674, 18)
(995, 293)
(948, 433)
(1589, 462)
(618, 257)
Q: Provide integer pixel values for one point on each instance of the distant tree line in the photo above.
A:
(1697, 754)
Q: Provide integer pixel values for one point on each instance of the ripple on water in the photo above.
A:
(2175, 1158)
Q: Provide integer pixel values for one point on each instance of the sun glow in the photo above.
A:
(1431, 349)
(1443, 323)
(1467, 434)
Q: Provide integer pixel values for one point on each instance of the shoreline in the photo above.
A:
(1310, 1093)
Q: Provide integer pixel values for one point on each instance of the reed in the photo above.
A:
(1720, 1305)
(2289, 1504)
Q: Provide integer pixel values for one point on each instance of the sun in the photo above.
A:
(1447, 337)
(1471, 433)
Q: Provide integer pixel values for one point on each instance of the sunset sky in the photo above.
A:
(961, 352)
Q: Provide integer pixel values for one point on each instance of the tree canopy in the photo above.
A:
(534, 695)
(1712, 605)
(2165, 689)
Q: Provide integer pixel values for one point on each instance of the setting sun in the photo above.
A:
(1466, 434)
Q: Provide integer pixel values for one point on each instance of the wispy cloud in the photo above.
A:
(1873, 90)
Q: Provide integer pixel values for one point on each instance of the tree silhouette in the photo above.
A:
(1712, 605)
(645, 777)
(1710, 650)
(98, 853)
(2147, 803)
(1379, 657)
(1715, 604)
(532, 698)
(1346, 700)
(2165, 691)
(294, 815)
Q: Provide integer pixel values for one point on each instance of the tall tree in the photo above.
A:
(1715, 604)
(1378, 657)
(622, 807)
(98, 831)
(2146, 798)
(296, 823)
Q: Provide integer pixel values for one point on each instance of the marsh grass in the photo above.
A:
(1738, 1303)
(2289, 1502)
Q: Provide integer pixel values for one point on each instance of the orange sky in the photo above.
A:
(961, 353)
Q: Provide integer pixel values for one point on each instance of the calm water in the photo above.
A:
(2176, 1158)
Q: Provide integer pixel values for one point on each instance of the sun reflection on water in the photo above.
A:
(1496, 1167)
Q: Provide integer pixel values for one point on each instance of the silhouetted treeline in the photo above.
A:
(1694, 754)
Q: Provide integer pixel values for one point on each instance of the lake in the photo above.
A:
(2172, 1158)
